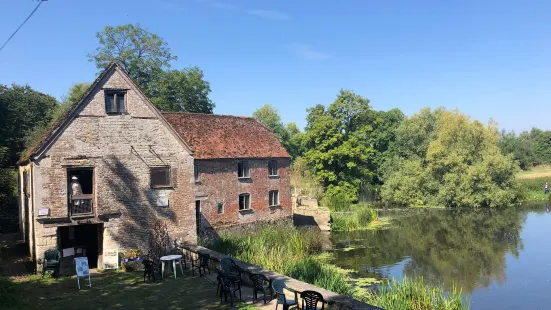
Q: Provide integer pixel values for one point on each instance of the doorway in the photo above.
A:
(85, 240)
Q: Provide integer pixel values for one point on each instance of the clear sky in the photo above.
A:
(487, 58)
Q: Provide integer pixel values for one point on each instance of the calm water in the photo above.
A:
(501, 259)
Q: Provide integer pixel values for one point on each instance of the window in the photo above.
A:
(160, 176)
(243, 169)
(114, 102)
(220, 207)
(274, 198)
(196, 172)
(244, 201)
(272, 168)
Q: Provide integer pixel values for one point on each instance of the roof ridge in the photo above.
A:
(208, 114)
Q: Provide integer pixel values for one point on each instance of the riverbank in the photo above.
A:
(298, 253)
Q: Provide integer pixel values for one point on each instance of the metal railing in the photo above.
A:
(81, 205)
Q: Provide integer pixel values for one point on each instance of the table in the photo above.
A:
(167, 259)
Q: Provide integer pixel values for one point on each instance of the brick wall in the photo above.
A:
(218, 182)
(118, 147)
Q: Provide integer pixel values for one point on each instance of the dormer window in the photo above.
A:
(114, 102)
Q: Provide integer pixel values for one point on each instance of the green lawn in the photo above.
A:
(536, 172)
(111, 289)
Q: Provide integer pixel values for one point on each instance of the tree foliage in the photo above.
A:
(146, 58)
(182, 90)
(444, 158)
(142, 54)
(22, 109)
(289, 135)
(337, 144)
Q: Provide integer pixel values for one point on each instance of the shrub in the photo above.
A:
(411, 294)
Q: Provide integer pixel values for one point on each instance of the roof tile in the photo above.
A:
(225, 136)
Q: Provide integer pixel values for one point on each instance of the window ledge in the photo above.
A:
(275, 176)
(244, 178)
(162, 187)
(246, 211)
(274, 207)
(116, 113)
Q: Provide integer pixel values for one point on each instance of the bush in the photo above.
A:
(356, 217)
(323, 275)
(413, 295)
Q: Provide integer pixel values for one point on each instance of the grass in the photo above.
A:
(355, 217)
(284, 249)
(532, 188)
(110, 289)
(411, 294)
(535, 172)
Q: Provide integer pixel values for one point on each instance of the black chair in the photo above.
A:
(201, 263)
(310, 300)
(261, 284)
(229, 287)
(52, 262)
(229, 266)
(148, 269)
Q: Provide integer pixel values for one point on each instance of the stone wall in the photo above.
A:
(335, 301)
(120, 149)
(218, 183)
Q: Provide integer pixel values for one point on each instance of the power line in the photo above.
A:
(16, 30)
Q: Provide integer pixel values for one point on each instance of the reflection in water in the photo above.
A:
(465, 247)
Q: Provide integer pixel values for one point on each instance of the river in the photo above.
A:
(500, 258)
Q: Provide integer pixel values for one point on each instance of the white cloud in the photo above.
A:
(217, 4)
(308, 52)
(269, 14)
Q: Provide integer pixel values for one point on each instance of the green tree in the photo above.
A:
(289, 135)
(521, 147)
(22, 110)
(182, 90)
(456, 164)
(142, 54)
(337, 144)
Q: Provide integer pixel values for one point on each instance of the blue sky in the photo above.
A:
(487, 58)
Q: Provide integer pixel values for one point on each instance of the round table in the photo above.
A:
(171, 258)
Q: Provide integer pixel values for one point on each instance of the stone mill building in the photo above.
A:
(113, 164)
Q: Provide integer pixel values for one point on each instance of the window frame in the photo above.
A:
(272, 164)
(196, 173)
(243, 165)
(115, 93)
(247, 199)
(170, 183)
(273, 202)
(218, 205)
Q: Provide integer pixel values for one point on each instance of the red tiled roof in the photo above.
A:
(224, 136)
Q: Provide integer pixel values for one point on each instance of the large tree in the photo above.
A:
(337, 144)
(22, 110)
(182, 90)
(142, 54)
(447, 159)
(146, 58)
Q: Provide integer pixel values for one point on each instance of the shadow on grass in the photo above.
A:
(110, 289)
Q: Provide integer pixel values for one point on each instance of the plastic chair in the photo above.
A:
(226, 284)
(310, 300)
(279, 288)
(201, 263)
(148, 269)
(260, 284)
(52, 262)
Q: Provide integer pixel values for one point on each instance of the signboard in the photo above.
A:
(83, 270)
(110, 258)
(82, 266)
(43, 211)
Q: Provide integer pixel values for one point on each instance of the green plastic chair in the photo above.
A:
(52, 262)
(279, 287)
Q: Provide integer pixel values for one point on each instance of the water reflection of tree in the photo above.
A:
(467, 248)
